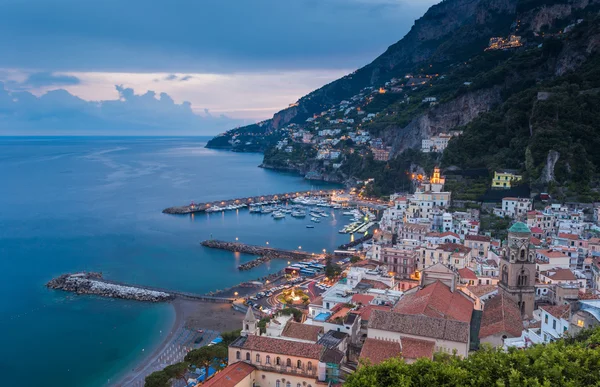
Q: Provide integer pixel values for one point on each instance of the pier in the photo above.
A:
(202, 207)
(269, 252)
(93, 284)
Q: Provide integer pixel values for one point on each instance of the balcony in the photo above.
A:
(282, 369)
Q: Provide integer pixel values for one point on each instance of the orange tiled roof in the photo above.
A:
(364, 299)
(416, 349)
(366, 311)
(302, 331)
(279, 346)
(558, 311)
(467, 273)
(230, 376)
(482, 290)
(500, 315)
(375, 351)
(559, 274)
(478, 238)
(568, 236)
(436, 300)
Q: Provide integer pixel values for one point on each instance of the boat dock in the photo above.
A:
(202, 207)
(257, 250)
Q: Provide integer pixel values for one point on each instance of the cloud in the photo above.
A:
(171, 77)
(60, 112)
(45, 79)
(217, 36)
(186, 78)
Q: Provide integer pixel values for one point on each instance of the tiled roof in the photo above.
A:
(552, 254)
(568, 236)
(594, 240)
(559, 274)
(450, 233)
(279, 346)
(587, 296)
(491, 262)
(478, 238)
(419, 325)
(416, 349)
(302, 331)
(467, 273)
(436, 300)
(500, 315)
(230, 376)
(375, 351)
(535, 241)
(454, 247)
(536, 230)
(374, 284)
(482, 290)
(364, 299)
(365, 311)
(558, 311)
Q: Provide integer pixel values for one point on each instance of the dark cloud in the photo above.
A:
(171, 77)
(45, 79)
(59, 112)
(186, 78)
(200, 36)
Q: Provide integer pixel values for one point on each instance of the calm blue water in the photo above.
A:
(69, 204)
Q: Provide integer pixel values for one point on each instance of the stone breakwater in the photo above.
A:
(255, 262)
(356, 242)
(92, 283)
(256, 250)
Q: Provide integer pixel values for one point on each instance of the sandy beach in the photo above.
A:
(190, 317)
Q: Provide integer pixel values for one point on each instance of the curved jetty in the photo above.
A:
(92, 283)
(201, 207)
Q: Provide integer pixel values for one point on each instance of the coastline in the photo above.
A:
(189, 315)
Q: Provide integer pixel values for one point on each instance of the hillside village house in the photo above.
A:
(479, 243)
(452, 255)
(516, 207)
(505, 179)
(555, 321)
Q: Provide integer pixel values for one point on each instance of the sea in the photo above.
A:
(69, 204)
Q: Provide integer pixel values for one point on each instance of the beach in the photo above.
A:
(190, 317)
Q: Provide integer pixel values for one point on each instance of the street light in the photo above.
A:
(299, 247)
(267, 242)
(236, 238)
(235, 294)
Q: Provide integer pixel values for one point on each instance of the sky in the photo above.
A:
(179, 66)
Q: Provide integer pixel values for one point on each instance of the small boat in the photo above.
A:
(278, 215)
(315, 215)
(309, 226)
(324, 214)
(298, 214)
(313, 219)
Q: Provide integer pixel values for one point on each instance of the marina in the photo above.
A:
(303, 197)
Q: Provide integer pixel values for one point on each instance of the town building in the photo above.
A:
(516, 207)
(555, 322)
(505, 179)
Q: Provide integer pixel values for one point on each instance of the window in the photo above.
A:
(258, 358)
(238, 355)
(299, 364)
(247, 327)
(545, 319)
(288, 384)
(553, 324)
(278, 361)
(248, 356)
(288, 362)
(309, 366)
(268, 359)
(580, 323)
(277, 383)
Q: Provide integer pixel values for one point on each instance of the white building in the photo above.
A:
(555, 322)
(516, 207)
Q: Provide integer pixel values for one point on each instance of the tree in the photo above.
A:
(331, 270)
(354, 259)
(207, 357)
(157, 379)
(229, 337)
(566, 362)
(177, 371)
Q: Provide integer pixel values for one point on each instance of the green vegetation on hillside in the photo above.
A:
(567, 362)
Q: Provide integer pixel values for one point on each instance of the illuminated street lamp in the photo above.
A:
(236, 238)
(235, 294)
(267, 242)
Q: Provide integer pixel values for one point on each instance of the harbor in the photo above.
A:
(246, 202)
(257, 250)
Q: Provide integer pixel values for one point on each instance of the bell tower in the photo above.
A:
(250, 325)
(517, 269)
